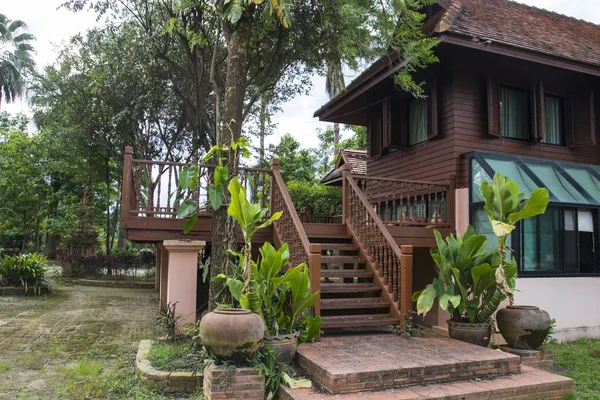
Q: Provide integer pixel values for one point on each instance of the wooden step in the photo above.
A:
(320, 237)
(354, 321)
(342, 260)
(346, 273)
(353, 303)
(338, 246)
(349, 288)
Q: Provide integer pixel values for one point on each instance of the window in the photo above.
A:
(562, 241)
(555, 121)
(417, 121)
(530, 114)
(398, 122)
(515, 113)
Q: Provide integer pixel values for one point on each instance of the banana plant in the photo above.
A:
(505, 206)
(465, 278)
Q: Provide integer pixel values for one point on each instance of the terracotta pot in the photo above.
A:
(232, 334)
(284, 346)
(523, 327)
(479, 334)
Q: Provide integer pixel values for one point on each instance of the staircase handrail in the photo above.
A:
(397, 274)
(289, 229)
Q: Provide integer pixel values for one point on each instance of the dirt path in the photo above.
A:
(77, 343)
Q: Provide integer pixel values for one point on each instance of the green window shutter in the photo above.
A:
(583, 120)
(493, 107)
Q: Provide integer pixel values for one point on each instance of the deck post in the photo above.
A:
(164, 275)
(452, 202)
(406, 290)
(182, 277)
(126, 185)
(274, 167)
(314, 269)
(346, 170)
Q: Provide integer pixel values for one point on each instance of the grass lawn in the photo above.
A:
(179, 356)
(577, 360)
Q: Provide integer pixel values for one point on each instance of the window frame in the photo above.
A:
(563, 100)
(529, 112)
(408, 127)
(516, 235)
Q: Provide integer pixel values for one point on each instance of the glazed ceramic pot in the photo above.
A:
(475, 333)
(284, 346)
(523, 327)
(232, 334)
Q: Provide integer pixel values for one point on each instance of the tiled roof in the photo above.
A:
(357, 159)
(522, 26)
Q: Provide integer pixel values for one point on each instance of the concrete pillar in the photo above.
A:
(181, 277)
(157, 263)
(164, 278)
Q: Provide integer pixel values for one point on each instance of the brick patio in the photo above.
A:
(530, 384)
(386, 366)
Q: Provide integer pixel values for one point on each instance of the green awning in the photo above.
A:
(568, 183)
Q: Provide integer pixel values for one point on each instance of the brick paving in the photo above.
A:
(350, 363)
(530, 384)
(39, 335)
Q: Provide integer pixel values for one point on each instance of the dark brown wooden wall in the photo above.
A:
(463, 117)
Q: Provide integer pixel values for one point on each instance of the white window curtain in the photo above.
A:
(554, 121)
(515, 116)
(417, 121)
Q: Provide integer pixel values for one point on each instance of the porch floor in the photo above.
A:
(416, 368)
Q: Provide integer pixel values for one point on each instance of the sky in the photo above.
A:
(53, 27)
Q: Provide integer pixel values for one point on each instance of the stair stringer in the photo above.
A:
(377, 277)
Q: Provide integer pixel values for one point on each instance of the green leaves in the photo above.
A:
(186, 207)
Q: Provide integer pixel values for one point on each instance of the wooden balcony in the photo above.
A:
(363, 257)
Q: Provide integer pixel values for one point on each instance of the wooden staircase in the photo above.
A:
(349, 296)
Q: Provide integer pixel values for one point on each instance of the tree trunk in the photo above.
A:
(108, 267)
(222, 225)
(37, 235)
(335, 85)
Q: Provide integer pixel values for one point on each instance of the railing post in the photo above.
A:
(314, 268)
(126, 192)
(406, 266)
(346, 170)
(274, 167)
(452, 202)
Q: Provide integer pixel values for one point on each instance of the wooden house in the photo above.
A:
(516, 91)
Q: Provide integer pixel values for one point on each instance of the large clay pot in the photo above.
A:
(232, 334)
(479, 334)
(523, 327)
(284, 346)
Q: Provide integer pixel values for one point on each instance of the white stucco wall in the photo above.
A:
(573, 302)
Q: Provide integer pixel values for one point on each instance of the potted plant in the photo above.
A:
(281, 300)
(523, 327)
(466, 280)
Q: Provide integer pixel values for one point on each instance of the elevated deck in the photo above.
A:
(360, 261)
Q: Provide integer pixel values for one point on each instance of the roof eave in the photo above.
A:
(518, 52)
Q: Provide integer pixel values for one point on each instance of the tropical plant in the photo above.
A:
(15, 58)
(505, 206)
(26, 270)
(466, 276)
(281, 300)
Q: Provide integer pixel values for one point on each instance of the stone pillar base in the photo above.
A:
(233, 383)
(541, 359)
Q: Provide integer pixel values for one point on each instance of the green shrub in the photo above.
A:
(26, 270)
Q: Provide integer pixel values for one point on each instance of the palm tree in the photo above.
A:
(15, 58)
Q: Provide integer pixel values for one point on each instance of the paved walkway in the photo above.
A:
(52, 347)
